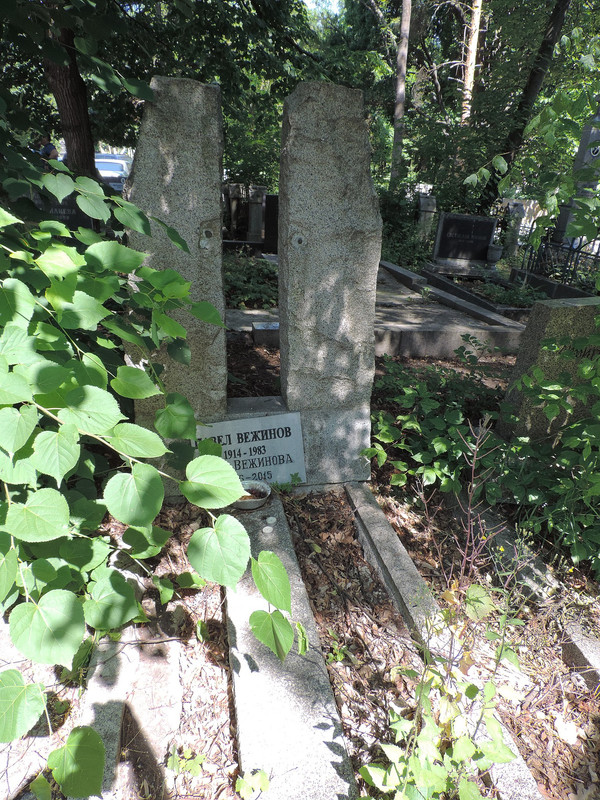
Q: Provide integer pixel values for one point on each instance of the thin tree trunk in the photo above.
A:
(401, 62)
(70, 93)
(531, 91)
(543, 59)
(470, 60)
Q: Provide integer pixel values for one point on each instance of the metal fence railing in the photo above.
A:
(577, 265)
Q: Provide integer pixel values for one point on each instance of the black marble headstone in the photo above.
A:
(463, 237)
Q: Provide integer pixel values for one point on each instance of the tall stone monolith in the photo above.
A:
(329, 251)
(176, 177)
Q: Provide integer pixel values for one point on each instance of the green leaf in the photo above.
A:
(92, 409)
(132, 217)
(7, 219)
(56, 262)
(113, 256)
(173, 235)
(168, 325)
(44, 517)
(190, 580)
(41, 788)
(17, 346)
(206, 312)
(211, 483)
(499, 164)
(134, 383)
(93, 206)
(272, 580)
(220, 554)
(16, 303)
(49, 631)
(463, 749)
(135, 498)
(467, 790)
(60, 185)
(135, 441)
(14, 389)
(9, 566)
(20, 705)
(84, 553)
(145, 542)
(56, 452)
(274, 631)
(180, 351)
(138, 88)
(497, 752)
(478, 603)
(78, 766)
(111, 602)
(176, 420)
(16, 426)
(471, 180)
(84, 312)
(165, 588)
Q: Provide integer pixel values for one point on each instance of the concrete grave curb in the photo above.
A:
(287, 720)
(513, 781)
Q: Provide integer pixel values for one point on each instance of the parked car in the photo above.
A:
(113, 168)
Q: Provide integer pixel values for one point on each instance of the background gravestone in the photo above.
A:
(329, 250)
(463, 237)
(177, 177)
(549, 319)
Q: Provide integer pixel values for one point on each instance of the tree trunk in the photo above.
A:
(514, 140)
(523, 113)
(401, 61)
(470, 61)
(70, 93)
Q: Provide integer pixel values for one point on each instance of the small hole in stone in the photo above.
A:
(208, 234)
(299, 240)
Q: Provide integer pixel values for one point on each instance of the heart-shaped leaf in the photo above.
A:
(135, 441)
(135, 498)
(20, 705)
(211, 483)
(60, 185)
(274, 631)
(42, 518)
(49, 631)
(78, 766)
(111, 602)
(272, 580)
(134, 383)
(56, 452)
(176, 420)
(220, 554)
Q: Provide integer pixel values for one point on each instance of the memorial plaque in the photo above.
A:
(69, 213)
(463, 237)
(261, 448)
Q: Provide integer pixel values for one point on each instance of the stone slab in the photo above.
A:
(550, 319)
(265, 334)
(329, 249)
(287, 720)
(409, 279)
(440, 341)
(176, 177)
(583, 652)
